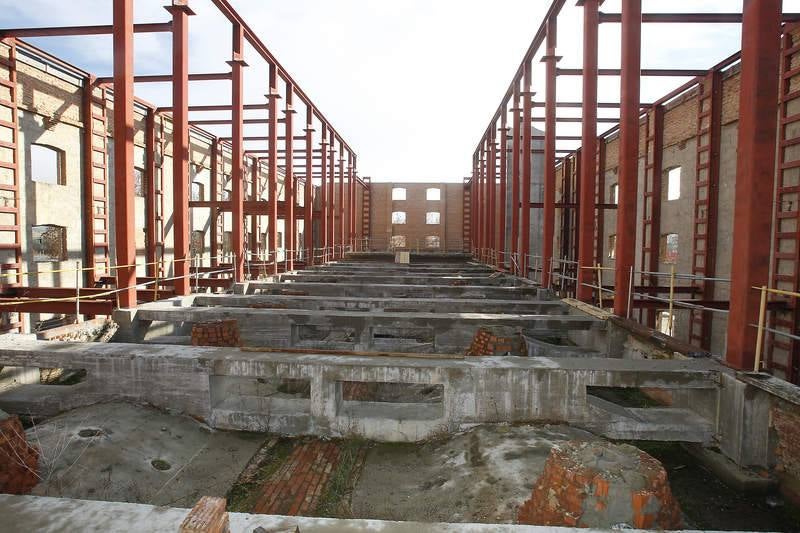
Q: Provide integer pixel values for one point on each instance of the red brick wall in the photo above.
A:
(19, 460)
(450, 206)
(222, 333)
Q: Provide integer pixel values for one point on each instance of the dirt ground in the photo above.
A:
(482, 475)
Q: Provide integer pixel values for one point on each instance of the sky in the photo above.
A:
(410, 85)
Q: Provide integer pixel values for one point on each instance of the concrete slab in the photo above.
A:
(391, 290)
(396, 305)
(123, 452)
(23, 514)
(448, 333)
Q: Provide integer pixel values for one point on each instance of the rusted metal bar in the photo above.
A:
(515, 176)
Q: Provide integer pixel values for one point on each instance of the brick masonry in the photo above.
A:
(580, 488)
(296, 487)
(221, 333)
(19, 460)
(786, 423)
(486, 343)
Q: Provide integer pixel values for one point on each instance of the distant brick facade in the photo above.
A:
(416, 232)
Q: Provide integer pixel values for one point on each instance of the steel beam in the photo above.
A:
(491, 190)
(549, 189)
(755, 175)
(649, 72)
(125, 221)
(25, 33)
(587, 178)
(151, 213)
(628, 152)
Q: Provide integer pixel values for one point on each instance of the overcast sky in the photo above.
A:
(411, 84)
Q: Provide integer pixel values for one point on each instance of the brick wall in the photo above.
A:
(19, 460)
(786, 423)
(416, 206)
(220, 333)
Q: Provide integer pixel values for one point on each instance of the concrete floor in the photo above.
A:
(482, 475)
(114, 462)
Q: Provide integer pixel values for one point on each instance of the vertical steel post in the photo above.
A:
(353, 177)
(526, 167)
(308, 198)
(549, 189)
(180, 143)
(755, 174)
(482, 203)
(237, 65)
(272, 177)
(332, 193)
(491, 193)
(290, 232)
(628, 152)
(515, 177)
(501, 243)
(586, 213)
(125, 224)
(340, 233)
(151, 214)
(324, 199)
(349, 209)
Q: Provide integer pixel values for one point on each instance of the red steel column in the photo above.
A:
(482, 203)
(180, 143)
(628, 152)
(272, 177)
(288, 179)
(501, 242)
(308, 198)
(526, 168)
(755, 175)
(332, 195)
(237, 152)
(323, 194)
(341, 199)
(591, 23)
(125, 224)
(549, 189)
(515, 178)
(353, 177)
(350, 209)
(491, 186)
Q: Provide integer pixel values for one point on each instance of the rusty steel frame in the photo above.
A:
(755, 173)
(122, 83)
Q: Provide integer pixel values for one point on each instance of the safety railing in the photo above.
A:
(762, 319)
